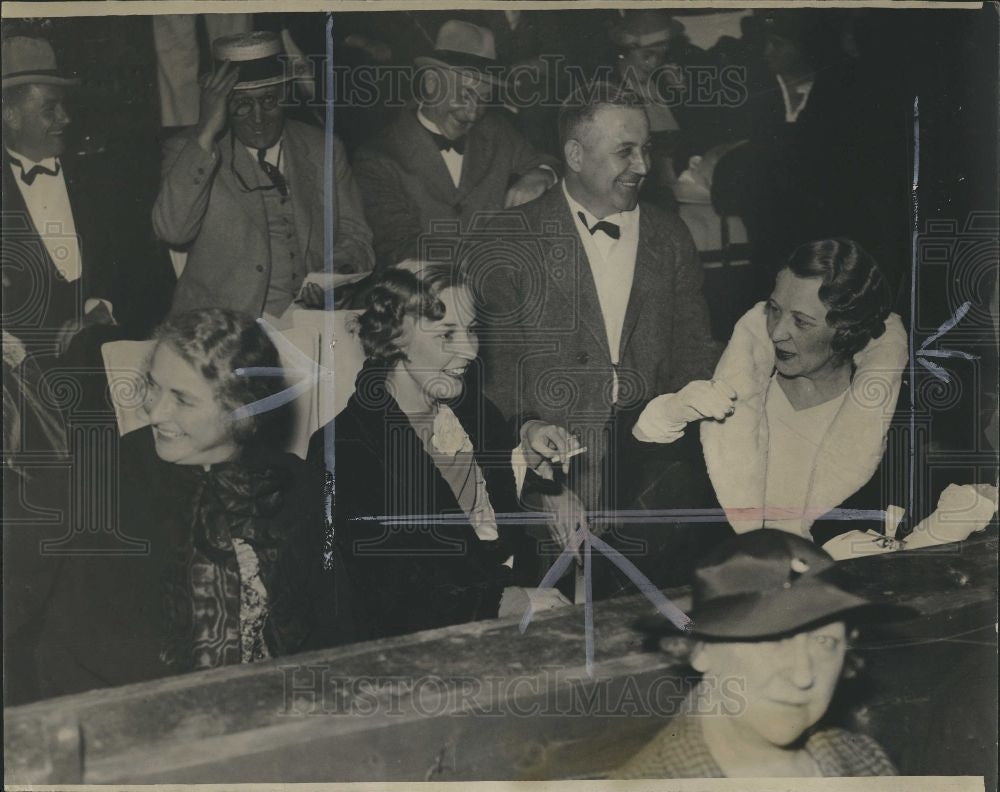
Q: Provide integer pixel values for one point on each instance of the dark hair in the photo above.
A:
(584, 102)
(854, 291)
(217, 342)
(400, 293)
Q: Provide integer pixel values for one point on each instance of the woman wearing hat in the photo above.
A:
(770, 636)
(424, 466)
(801, 408)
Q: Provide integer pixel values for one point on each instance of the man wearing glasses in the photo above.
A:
(243, 191)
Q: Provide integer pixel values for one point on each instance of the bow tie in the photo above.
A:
(613, 230)
(444, 144)
(28, 176)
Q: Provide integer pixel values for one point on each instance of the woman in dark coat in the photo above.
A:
(220, 559)
(424, 466)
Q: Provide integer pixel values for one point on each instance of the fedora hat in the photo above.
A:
(258, 54)
(464, 47)
(766, 584)
(31, 61)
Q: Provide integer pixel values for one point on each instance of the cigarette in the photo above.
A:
(576, 451)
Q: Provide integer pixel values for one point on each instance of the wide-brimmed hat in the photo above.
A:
(258, 55)
(645, 28)
(465, 48)
(766, 584)
(31, 61)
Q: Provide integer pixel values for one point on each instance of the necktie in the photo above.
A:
(444, 144)
(613, 230)
(272, 172)
(28, 176)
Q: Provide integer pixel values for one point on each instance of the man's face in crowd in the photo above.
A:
(36, 122)
(453, 101)
(257, 115)
(787, 684)
(610, 159)
(643, 61)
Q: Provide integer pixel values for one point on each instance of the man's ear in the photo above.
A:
(701, 657)
(573, 153)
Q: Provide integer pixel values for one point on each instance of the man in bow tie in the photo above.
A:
(603, 309)
(243, 191)
(57, 255)
(449, 158)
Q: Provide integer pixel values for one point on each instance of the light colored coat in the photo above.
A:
(203, 208)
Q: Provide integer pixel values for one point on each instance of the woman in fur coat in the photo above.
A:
(805, 431)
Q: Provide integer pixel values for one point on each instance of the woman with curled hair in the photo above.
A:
(221, 531)
(801, 412)
(425, 466)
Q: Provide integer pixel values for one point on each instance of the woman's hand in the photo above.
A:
(665, 417)
(546, 445)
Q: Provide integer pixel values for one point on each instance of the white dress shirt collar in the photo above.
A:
(274, 155)
(802, 89)
(452, 159)
(27, 163)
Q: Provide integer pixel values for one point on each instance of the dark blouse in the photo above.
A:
(183, 602)
(432, 569)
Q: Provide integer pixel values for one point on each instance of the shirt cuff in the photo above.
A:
(519, 463)
(92, 302)
(551, 170)
(652, 428)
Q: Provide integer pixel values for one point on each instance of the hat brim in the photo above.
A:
(37, 79)
(467, 68)
(267, 82)
(772, 614)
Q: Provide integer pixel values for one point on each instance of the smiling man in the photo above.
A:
(243, 191)
(59, 252)
(450, 157)
(597, 305)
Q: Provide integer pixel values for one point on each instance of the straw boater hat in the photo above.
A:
(464, 48)
(31, 61)
(766, 584)
(645, 28)
(258, 55)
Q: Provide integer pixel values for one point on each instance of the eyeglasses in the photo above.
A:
(243, 107)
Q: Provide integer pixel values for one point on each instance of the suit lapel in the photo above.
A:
(300, 171)
(584, 301)
(478, 153)
(642, 281)
(236, 158)
(417, 149)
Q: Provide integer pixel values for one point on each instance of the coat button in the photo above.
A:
(260, 268)
(583, 357)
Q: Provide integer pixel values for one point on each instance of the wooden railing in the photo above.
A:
(478, 701)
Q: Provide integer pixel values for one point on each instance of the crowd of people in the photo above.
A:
(617, 303)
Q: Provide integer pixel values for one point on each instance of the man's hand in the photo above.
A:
(665, 417)
(546, 445)
(529, 187)
(214, 110)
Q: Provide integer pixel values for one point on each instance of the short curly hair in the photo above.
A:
(217, 343)
(855, 292)
(400, 293)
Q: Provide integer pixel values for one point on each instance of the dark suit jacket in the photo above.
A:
(203, 208)
(36, 298)
(407, 188)
(544, 344)
(407, 578)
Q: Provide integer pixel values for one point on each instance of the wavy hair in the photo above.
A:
(854, 291)
(217, 343)
(400, 293)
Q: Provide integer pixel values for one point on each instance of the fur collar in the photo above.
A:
(736, 449)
